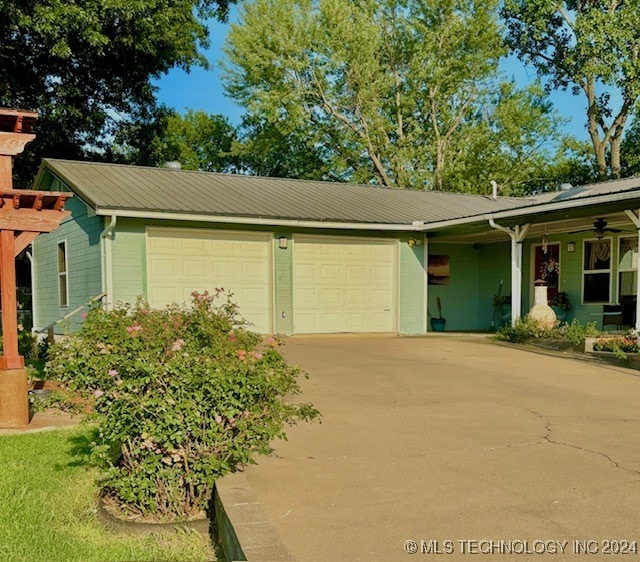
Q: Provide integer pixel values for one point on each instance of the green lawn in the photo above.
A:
(48, 507)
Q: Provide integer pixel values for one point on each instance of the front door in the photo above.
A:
(547, 267)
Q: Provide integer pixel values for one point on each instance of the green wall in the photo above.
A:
(129, 268)
(495, 267)
(460, 297)
(411, 290)
(571, 275)
(82, 233)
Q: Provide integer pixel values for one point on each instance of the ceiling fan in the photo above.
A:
(599, 229)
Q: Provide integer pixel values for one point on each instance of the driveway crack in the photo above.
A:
(548, 439)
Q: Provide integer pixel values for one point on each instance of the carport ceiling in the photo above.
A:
(482, 233)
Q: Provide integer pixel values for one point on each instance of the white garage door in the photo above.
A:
(181, 261)
(344, 284)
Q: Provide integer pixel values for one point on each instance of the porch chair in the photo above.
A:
(628, 303)
(612, 315)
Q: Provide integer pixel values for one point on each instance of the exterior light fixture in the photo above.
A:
(414, 241)
(571, 247)
(283, 243)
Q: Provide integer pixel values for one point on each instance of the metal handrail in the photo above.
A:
(50, 327)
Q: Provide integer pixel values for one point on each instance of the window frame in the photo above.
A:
(592, 271)
(624, 269)
(63, 274)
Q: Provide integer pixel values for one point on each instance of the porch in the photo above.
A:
(589, 253)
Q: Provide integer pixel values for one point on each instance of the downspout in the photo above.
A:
(517, 235)
(635, 219)
(33, 291)
(107, 262)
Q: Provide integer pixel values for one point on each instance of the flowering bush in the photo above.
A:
(181, 397)
(617, 344)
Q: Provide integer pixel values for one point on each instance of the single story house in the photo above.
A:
(321, 257)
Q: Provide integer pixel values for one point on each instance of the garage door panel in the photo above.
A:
(343, 284)
(162, 267)
(181, 261)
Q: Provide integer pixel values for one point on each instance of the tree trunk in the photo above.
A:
(614, 145)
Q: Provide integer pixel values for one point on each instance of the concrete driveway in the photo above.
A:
(454, 438)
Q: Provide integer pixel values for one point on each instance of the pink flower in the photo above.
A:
(98, 393)
(177, 345)
(272, 342)
(83, 315)
(233, 338)
(232, 421)
(218, 418)
(242, 354)
(112, 372)
(134, 329)
(256, 355)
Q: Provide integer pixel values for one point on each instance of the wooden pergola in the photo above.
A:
(23, 215)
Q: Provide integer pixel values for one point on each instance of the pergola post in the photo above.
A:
(517, 234)
(23, 215)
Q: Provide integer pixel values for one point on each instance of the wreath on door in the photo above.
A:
(549, 272)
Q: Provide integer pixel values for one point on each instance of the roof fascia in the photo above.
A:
(537, 208)
(125, 213)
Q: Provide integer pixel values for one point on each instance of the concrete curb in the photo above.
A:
(243, 527)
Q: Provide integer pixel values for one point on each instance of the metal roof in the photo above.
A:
(138, 191)
(137, 188)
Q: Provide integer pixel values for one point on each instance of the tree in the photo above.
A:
(86, 66)
(393, 92)
(631, 150)
(591, 46)
(197, 140)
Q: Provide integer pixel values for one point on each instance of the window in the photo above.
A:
(596, 271)
(627, 266)
(63, 285)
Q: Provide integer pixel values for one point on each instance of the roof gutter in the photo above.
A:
(547, 207)
(416, 226)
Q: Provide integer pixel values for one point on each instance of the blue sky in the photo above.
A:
(202, 89)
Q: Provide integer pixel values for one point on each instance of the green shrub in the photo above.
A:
(577, 332)
(524, 329)
(528, 329)
(181, 397)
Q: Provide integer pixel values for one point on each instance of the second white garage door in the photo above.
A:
(181, 261)
(344, 284)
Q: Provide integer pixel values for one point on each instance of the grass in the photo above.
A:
(48, 507)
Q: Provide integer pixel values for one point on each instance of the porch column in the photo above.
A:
(425, 286)
(517, 234)
(635, 219)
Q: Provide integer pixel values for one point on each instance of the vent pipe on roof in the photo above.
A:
(494, 190)
(173, 165)
(565, 186)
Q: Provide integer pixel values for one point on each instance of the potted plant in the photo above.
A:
(561, 305)
(501, 308)
(438, 322)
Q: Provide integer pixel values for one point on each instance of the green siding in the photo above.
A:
(495, 266)
(129, 268)
(411, 291)
(82, 233)
(571, 276)
(129, 262)
(460, 298)
(283, 289)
